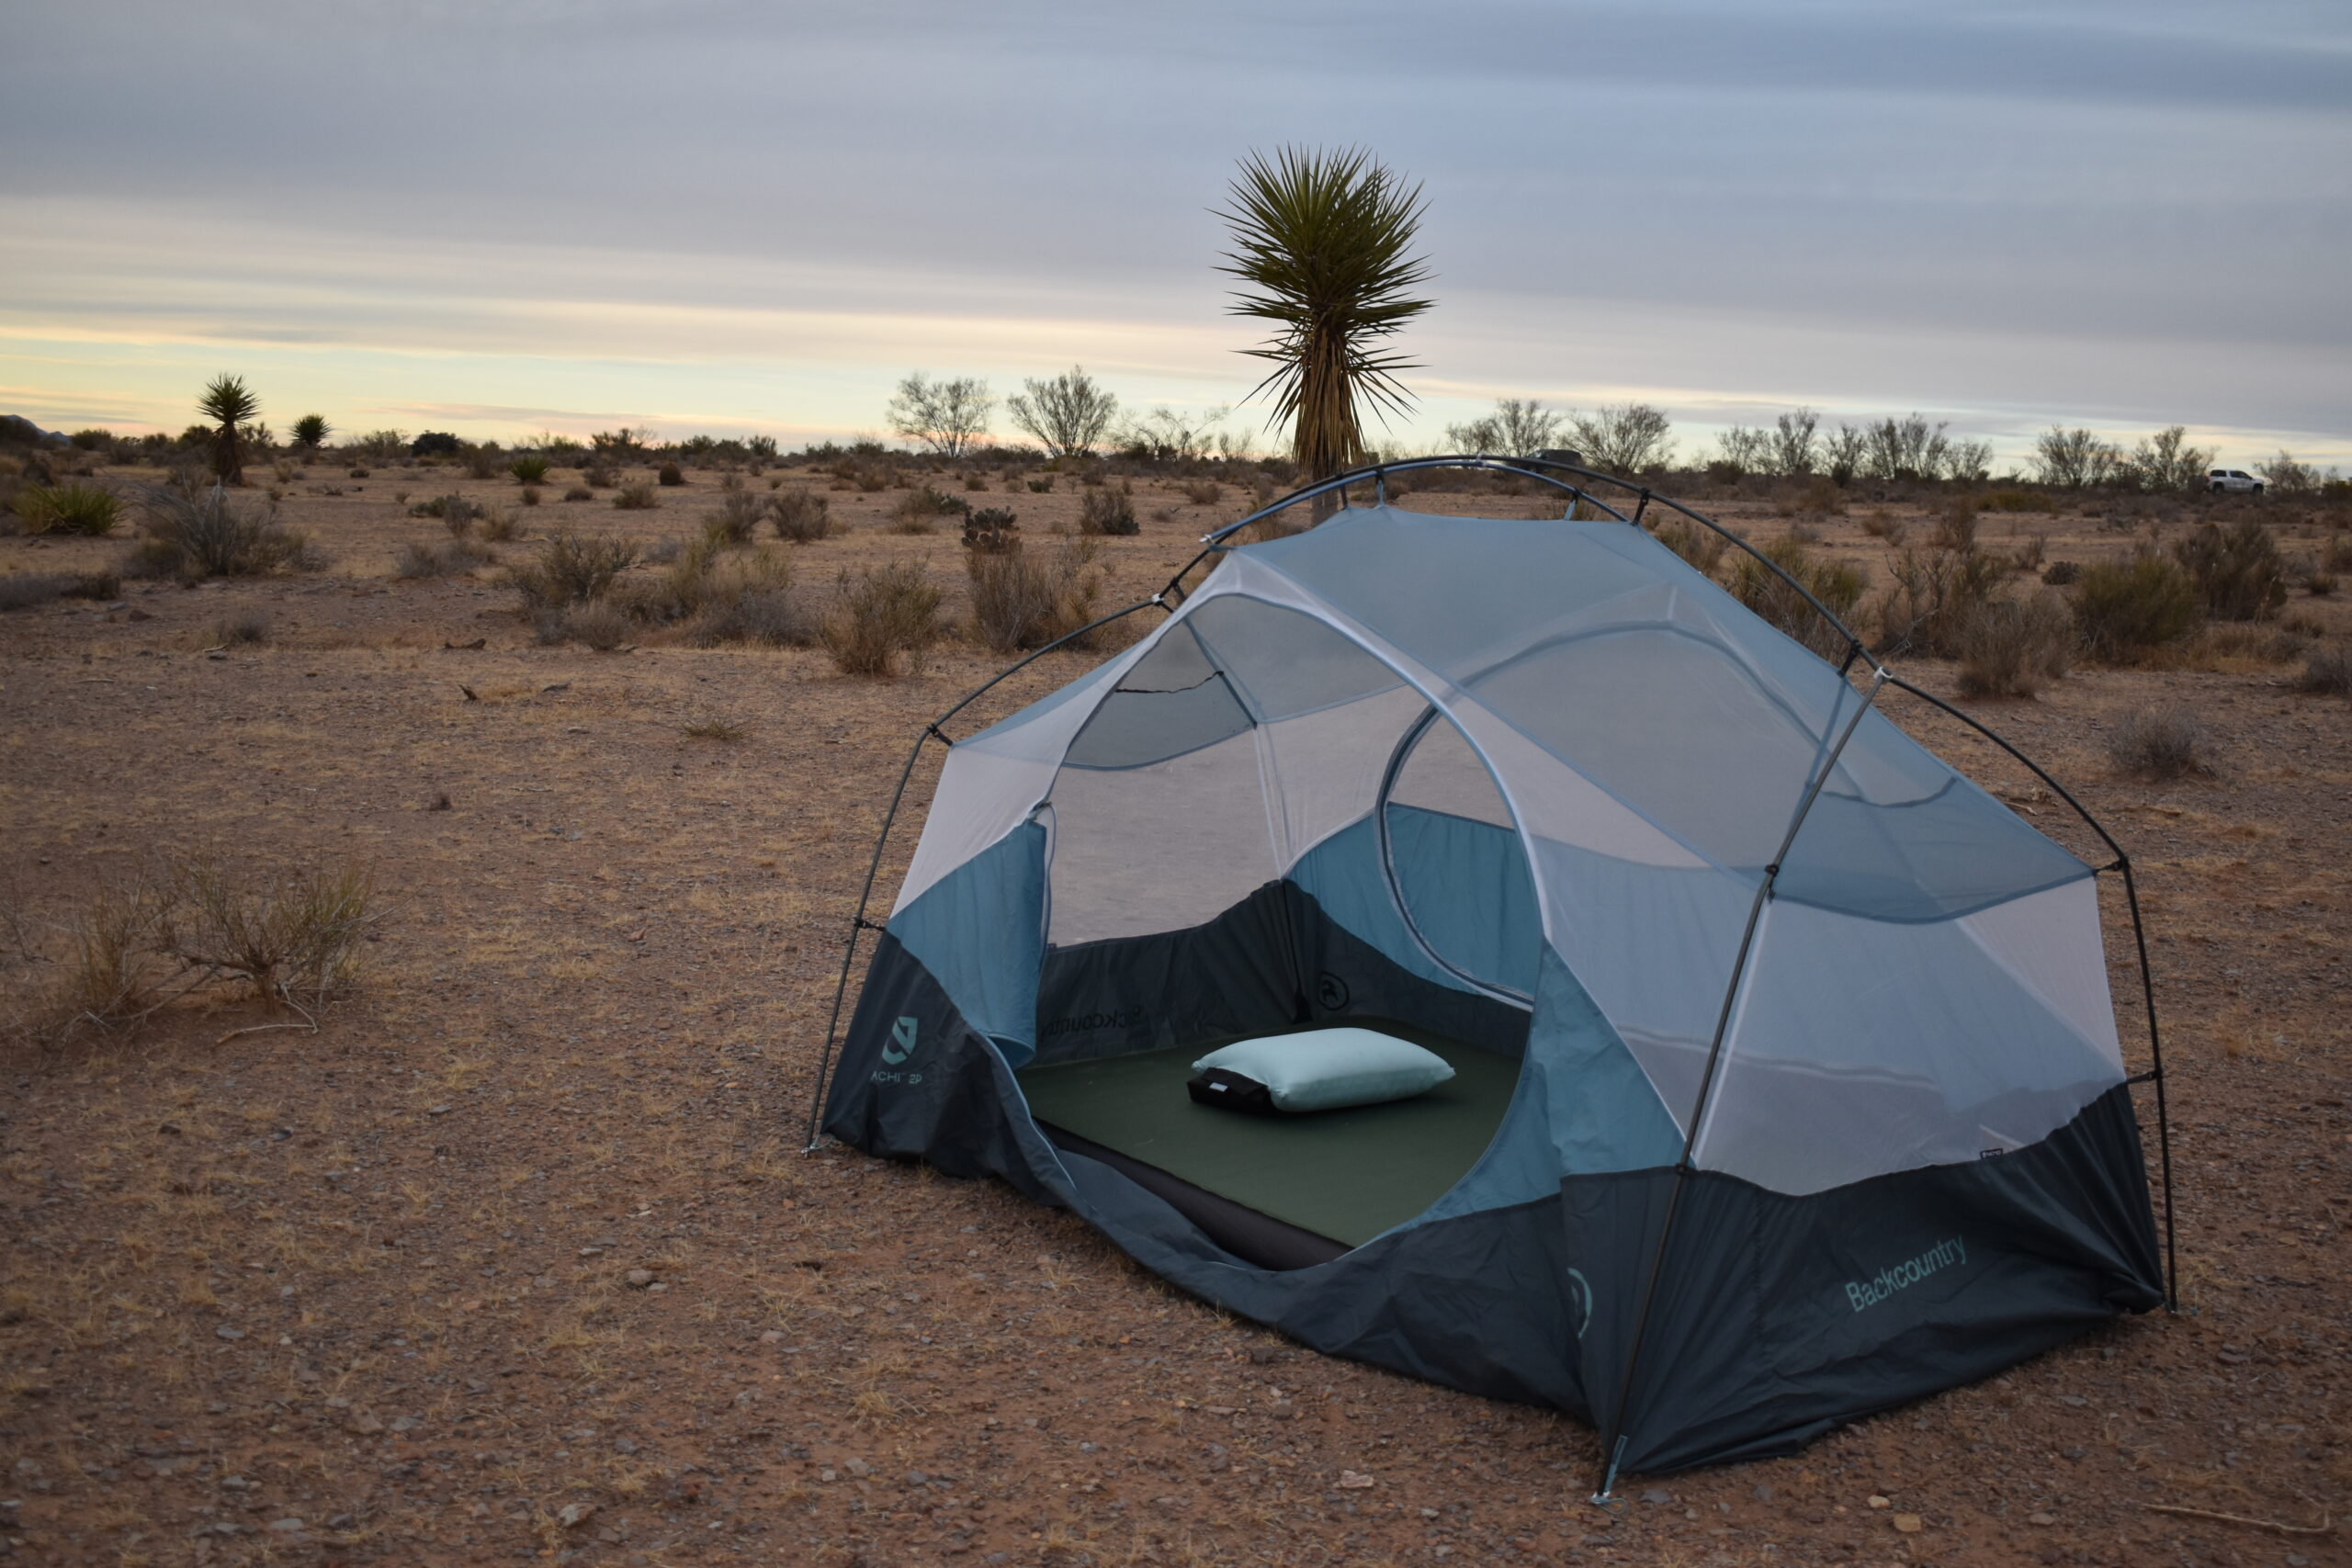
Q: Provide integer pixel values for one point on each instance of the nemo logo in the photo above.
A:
(902, 1041)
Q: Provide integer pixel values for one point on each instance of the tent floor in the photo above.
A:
(1348, 1175)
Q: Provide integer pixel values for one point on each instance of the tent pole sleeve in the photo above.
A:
(1682, 1166)
(2156, 1064)
(858, 923)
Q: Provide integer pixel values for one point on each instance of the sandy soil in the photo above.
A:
(365, 1295)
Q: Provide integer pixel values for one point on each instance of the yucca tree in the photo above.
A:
(1324, 241)
(228, 404)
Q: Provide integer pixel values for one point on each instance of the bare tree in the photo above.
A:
(1905, 448)
(1068, 415)
(1968, 460)
(949, 416)
(1623, 439)
(2286, 476)
(1518, 428)
(1745, 451)
(1795, 437)
(1841, 454)
(2075, 457)
(2166, 461)
(1167, 435)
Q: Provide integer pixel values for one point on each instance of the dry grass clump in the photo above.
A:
(2238, 569)
(713, 726)
(2011, 648)
(457, 514)
(248, 629)
(1108, 510)
(747, 598)
(1835, 584)
(574, 569)
(2131, 611)
(635, 498)
(90, 511)
(1702, 548)
(919, 509)
(737, 519)
(1880, 523)
(579, 492)
(207, 534)
(497, 524)
(598, 624)
(455, 557)
(1202, 493)
(189, 929)
(2010, 499)
(2158, 744)
(2327, 672)
(1042, 485)
(2238, 641)
(23, 590)
(878, 615)
(800, 514)
(1020, 601)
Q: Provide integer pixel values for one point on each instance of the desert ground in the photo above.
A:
(519, 1256)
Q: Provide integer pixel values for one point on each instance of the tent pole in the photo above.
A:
(1682, 1167)
(858, 922)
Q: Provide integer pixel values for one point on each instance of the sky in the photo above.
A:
(507, 216)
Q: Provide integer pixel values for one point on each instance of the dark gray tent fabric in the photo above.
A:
(1517, 785)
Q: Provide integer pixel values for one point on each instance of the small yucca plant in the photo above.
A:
(228, 403)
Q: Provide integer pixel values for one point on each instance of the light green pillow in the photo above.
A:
(1322, 1069)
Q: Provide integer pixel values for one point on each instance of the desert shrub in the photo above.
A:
(23, 590)
(880, 614)
(738, 517)
(579, 492)
(496, 523)
(481, 462)
(207, 534)
(1042, 485)
(800, 514)
(190, 929)
(1817, 496)
(530, 468)
(713, 726)
(436, 444)
(574, 569)
(1936, 594)
(670, 474)
(1204, 492)
(1020, 601)
(599, 625)
(1108, 510)
(976, 481)
(991, 530)
(2319, 582)
(1804, 534)
(1835, 584)
(2031, 554)
(2238, 569)
(2327, 672)
(2063, 573)
(87, 510)
(596, 477)
(2012, 647)
(1702, 548)
(635, 498)
(246, 629)
(1880, 523)
(454, 559)
(918, 509)
(2126, 611)
(2159, 743)
(2010, 499)
(2249, 641)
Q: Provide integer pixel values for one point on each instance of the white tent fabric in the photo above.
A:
(1926, 985)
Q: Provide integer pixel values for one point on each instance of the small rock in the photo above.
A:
(858, 1468)
(572, 1514)
(437, 1110)
(292, 1526)
(1354, 1480)
(225, 1332)
(172, 1128)
(1761, 1493)
(773, 1336)
(624, 1445)
(656, 1288)
(341, 1522)
(365, 1426)
(405, 1424)
(637, 1279)
(1909, 1524)
(1879, 1502)
(2042, 1518)
(827, 1475)
(1657, 1495)
(917, 1478)
(592, 1252)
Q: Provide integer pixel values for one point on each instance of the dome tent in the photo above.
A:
(1788, 1080)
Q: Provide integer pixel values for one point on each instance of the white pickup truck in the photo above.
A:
(2232, 482)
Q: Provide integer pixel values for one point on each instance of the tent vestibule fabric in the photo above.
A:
(1522, 788)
